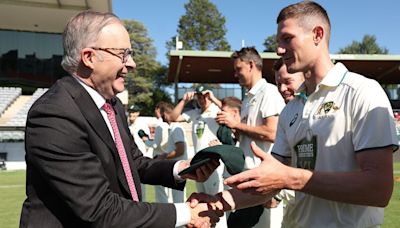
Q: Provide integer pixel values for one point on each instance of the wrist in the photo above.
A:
(221, 203)
(297, 178)
(235, 126)
(184, 101)
(218, 203)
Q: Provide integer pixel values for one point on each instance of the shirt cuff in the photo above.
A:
(176, 171)
(150, 143)
(183, 215)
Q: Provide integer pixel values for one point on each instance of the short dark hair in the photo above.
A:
(232, 102)
(278, 64)
(159, 104)
(304, 9)
(166, 107)
(248, 54)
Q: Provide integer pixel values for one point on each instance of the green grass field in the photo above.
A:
(392, 211)
(12, 194)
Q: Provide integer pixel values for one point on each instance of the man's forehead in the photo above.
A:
(286, 24)
(200, 95)
(228, 108)
(277, 77)
(115, 33)
(238, 62)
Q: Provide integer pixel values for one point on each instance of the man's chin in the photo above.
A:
(288, 98)
(242, 84)
(118, 88)
(118, 91)
(291, 69)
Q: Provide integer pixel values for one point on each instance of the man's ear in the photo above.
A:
(252, 65)
(87, 56)
(318, 34)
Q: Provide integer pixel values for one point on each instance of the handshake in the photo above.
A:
(249, 188)
(206, 209)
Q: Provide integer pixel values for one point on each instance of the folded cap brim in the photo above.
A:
(231, 156)
(192, 168)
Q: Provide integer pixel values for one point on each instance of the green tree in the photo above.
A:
(270, 43)
(201, 28)
(145, 84)
(368, 45)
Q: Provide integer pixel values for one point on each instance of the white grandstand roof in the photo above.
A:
(45, 15)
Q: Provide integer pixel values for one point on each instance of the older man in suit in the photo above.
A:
(83, 167)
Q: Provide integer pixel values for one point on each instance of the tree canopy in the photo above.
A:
(368, 45)
(201, 28)
(145, 84)
(270, 43)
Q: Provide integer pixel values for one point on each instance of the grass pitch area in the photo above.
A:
(12, 195)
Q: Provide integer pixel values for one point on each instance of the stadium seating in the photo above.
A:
(7, 96)
(19, 119)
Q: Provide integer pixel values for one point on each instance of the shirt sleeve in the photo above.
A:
(182, 214)
(175, 171)
(177, 135)
(158, 136)
(150, 143)
(281, 146)
(272, 103)
(189, 115)
(372, 120)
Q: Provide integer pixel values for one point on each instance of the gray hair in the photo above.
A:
(82, 31)
(248, 54)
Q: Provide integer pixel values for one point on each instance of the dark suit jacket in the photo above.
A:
(74, 175)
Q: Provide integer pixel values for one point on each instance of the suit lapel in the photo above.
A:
(96, 121)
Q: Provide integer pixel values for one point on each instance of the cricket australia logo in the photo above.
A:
(326, 107)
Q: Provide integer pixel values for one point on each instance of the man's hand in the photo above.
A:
(204, 215)
(213, 98)
(227, 119)
(214, 142)
(269, 176)
(202, 173)
(197, 198)
(214, 205)
(188, 96)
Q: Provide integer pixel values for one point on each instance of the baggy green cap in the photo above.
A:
(231, 156)
(224, 135)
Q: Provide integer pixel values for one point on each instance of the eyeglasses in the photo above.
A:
(125, 51)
